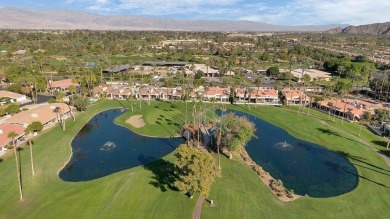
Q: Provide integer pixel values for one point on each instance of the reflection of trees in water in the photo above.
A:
(97, 124)
(78, 155)
(69, 166)
(86, 130)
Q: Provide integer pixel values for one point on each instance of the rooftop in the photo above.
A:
(7, 128)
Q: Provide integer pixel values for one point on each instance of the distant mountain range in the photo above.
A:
(375, 29)
(15, 18)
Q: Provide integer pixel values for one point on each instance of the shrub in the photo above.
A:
(12, 109)
(52, 100)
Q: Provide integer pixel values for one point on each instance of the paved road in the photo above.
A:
(198, 207)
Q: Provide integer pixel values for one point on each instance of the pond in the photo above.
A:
(307, 168)
(103, 147)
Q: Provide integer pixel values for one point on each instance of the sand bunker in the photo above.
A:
(136, 121)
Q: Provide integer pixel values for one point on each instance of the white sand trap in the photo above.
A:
(137, 121)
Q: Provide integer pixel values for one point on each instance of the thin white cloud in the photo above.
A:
(349, 11)
(289, 12)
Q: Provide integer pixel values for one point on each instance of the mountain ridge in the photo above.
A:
(374, 29)
(17, 18)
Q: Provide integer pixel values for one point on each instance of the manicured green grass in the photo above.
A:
(161, 118)
(243, 195)
(133, 193)
(143, 192)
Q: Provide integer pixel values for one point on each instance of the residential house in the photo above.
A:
(5, 129)
(348, 108)
(99, 91)
(218, 93)
(15, 97)
(295, 96)
(258, 95)
(114, 92)
(44, 113)
(269, 96)
(61, 85)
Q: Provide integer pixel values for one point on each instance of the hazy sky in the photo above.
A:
(287, 12)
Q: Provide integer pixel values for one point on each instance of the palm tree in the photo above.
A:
(61, 120)
(27, 132)
(219, 129)
(250, 90)
(130, 99)
(258, 82)
(13, 135)
(213, 100)
(142, 75)
(184, 98)
(222, 108)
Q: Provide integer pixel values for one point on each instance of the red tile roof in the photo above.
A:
(42, 113)
(64, 84)
(7, 128)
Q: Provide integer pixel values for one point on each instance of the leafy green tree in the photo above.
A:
(196, 170)
(365, 119)
(16, 88)
(12, 109)
(265, 56)
(360, 58)
(282, 98)
(273, 71)
(306, 78)
(80, 102)
(59, 95)
(52, 100)
(239, 130)
(35, 126)
(331, 64)
(381, 115)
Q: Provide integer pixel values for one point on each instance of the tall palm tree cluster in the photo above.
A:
(381, 86)
(13, 135)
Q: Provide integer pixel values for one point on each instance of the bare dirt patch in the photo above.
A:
(137, 121)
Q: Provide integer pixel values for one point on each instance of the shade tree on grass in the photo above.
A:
(196, 170)
(80, 102)
(233, 132)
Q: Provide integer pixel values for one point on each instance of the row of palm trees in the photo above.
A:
(13, 135)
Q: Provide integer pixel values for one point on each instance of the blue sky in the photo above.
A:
(285, 12)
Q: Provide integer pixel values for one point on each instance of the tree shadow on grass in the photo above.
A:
(20, 164)
(121, 104)
(353, 173)
(1, 160)
(380, 143)
(330, 132)
(358, 161)
(164, 175)
(361, 160)
(166, 129)
(385, 152)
